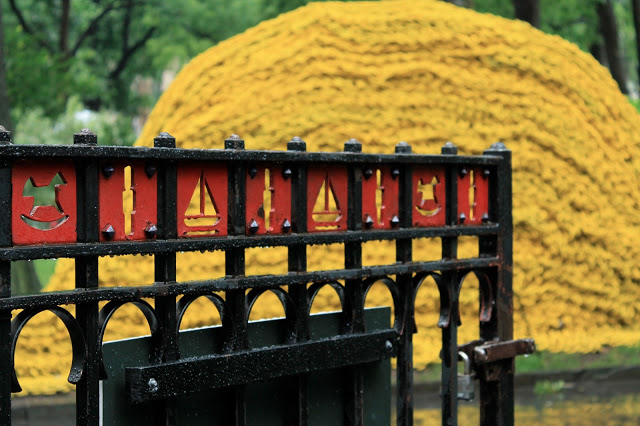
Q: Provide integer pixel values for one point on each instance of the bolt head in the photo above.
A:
(395, 173)
(485, 217)
(253, 172)
(395, 221)
(368, 173)
(463, 172)
(151, 230)
(286, 173)
(463, 217)
(108, 170)
(286, 226)
(388, 345)
(108, 231)
(152, 384)
(368, 222)
(253, 226)
(150, 170)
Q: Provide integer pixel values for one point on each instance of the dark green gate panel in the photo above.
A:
(267, 403)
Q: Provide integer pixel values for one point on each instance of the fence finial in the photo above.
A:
(297, 144)
(498, 146)
(233, 142)
(164, 140)
(5, 135)
(403, 148)
(85, 137)
(352, 145)
(449, 148)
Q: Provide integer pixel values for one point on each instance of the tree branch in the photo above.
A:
(27, 28)
(64, 27)
(126, 56)
(91, 27)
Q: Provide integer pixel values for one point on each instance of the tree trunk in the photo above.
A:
(64, 28)
(609, 32)
(635, 5)
(528, 11)
(5, 110)
(23, 274)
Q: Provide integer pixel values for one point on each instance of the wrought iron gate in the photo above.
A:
(85, 224)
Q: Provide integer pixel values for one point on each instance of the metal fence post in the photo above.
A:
(88, 390)
(404, 253)
(234, 266)
(450, 281)
(496, 397)
(354, 298)
(165, 263)
(5, 284)
(297, 260)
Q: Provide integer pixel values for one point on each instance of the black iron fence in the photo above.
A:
(315, 198)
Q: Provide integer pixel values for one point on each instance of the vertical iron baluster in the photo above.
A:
(450, 280)
(86, 268)
(234, 266)
(5, 283)
(404, 253)
(299, 413)
(496, 397)
(165, 265)
(354, 298)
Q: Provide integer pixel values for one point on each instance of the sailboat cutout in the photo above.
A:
(202, 210)
(326, 210)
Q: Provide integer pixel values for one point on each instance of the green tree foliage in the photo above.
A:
(100, 47)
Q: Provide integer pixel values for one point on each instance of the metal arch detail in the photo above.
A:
(78, 345)
(282, 296)
(147, 310)
(398, 312)
(316, 287)
(446, 296)
(187, 300)
(487, 300)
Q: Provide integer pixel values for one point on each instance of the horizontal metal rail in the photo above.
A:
(54, 251)
(130, 293)
(239, 156)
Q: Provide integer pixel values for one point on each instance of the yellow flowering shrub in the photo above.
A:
(425, 72)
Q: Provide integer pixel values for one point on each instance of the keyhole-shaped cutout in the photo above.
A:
(266, 199)
(379, 191)
(472, 194)
(128, 199)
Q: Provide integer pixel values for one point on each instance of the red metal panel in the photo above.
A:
(429, 196)
(327, 199)
(473, 196)
(43, 224)
(206, 186)
(144, 215)
(276, 219)
(380, 199)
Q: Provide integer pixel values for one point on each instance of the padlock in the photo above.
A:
(466, 388)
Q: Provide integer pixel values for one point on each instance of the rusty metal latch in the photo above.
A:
(490, 359)
(496, 351)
